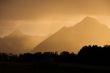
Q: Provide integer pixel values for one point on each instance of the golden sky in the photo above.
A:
(42, 17)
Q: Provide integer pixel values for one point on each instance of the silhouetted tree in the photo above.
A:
(94, 55)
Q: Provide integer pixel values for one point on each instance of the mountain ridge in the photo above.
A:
(17, 42)
(73, 38)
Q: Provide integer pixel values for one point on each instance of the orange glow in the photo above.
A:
(43, 18)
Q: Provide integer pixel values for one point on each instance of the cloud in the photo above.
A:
(7, 27)
(56, 13)
(35, 9)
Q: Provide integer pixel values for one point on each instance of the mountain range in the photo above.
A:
(18, 42)
(87, 32)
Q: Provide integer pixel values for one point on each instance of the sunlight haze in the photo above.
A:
(44, 18)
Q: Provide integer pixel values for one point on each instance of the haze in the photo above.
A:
(43, 17)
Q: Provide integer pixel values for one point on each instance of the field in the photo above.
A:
(50, 68)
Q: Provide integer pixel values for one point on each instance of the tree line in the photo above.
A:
(94, 55)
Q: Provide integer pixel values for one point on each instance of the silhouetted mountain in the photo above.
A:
(88, 31)
(17, 42)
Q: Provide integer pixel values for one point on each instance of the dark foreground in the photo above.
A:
(50, 68)
(90, 59)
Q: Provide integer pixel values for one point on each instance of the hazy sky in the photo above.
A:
(42, 17)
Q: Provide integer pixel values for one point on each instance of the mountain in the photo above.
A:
(87, 32)
(16, 33)
(17, 42)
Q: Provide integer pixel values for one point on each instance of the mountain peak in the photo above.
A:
(88, 17)
(90, 20)
(16, 33)
(89, 23)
